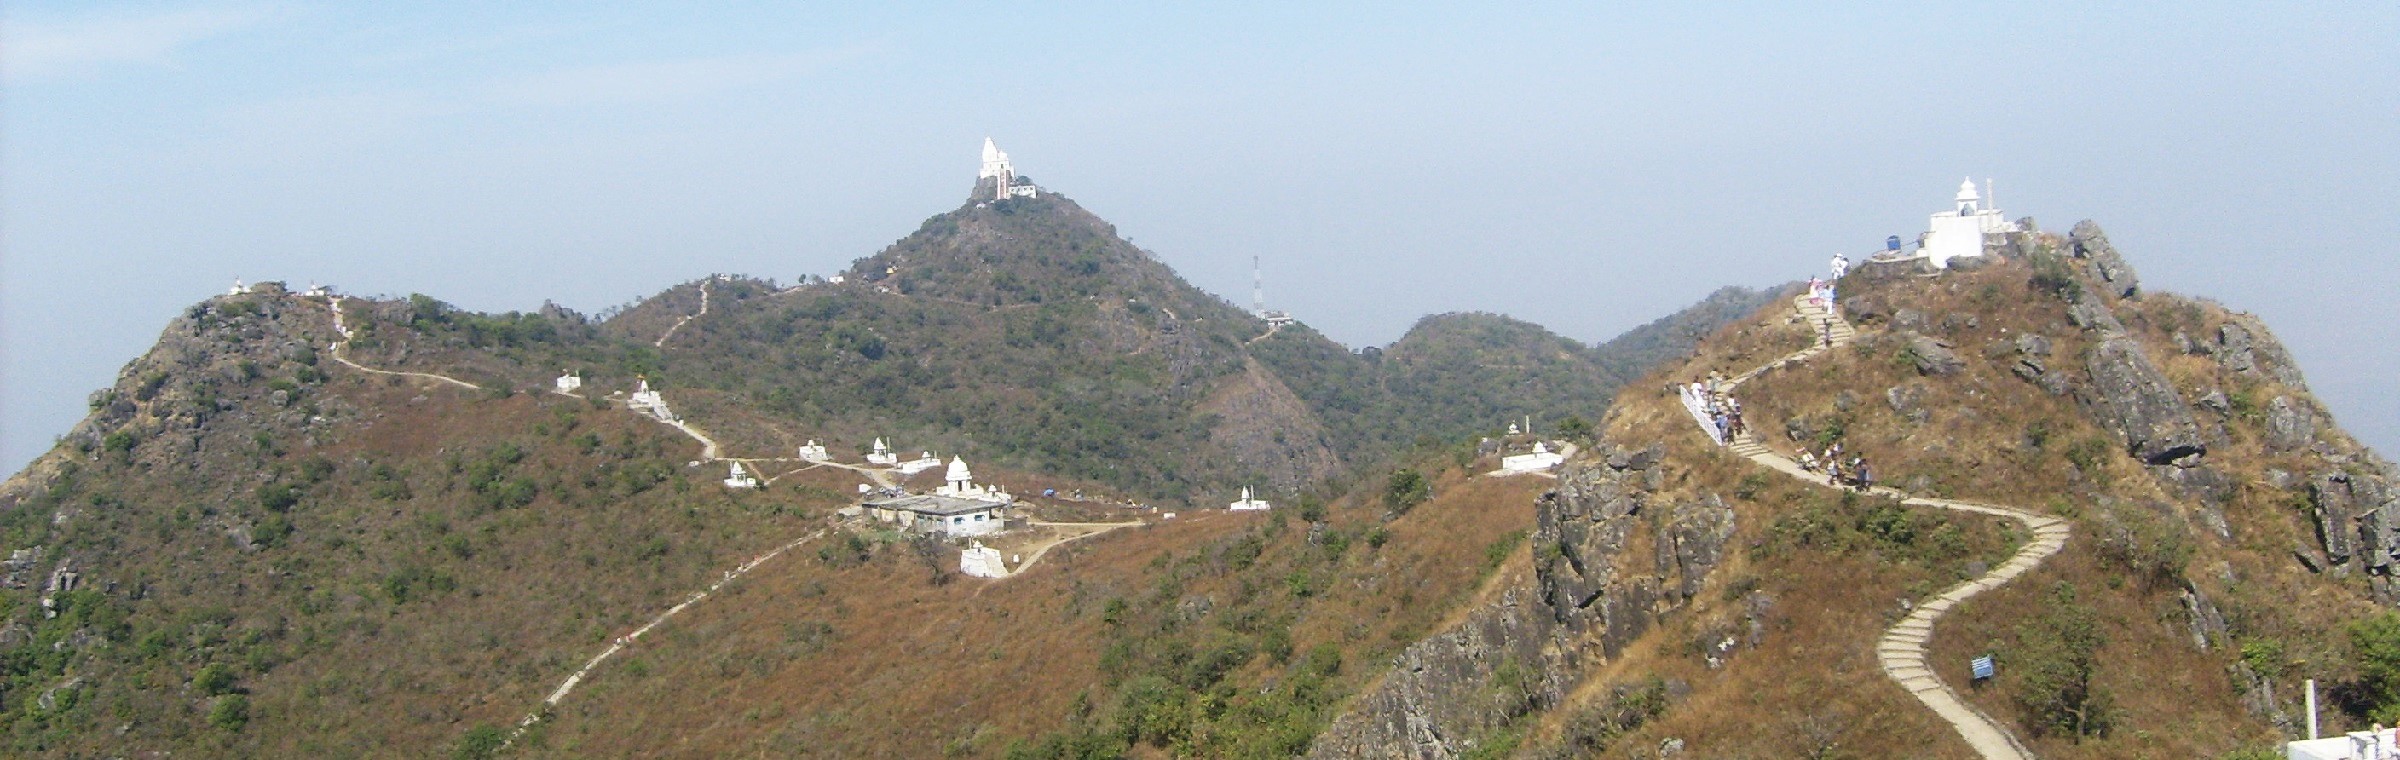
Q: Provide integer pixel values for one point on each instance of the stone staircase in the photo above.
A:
(1901, 650)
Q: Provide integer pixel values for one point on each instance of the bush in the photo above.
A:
(1406, 488)
(2375, 644)
(2056, 665)
(231, 712)
(482, 741)
(213, 679)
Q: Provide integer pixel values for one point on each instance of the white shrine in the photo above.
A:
(923, 462)
(318, 291)
(959, 482)
(814, 452)
(1541, 458)
(1249, 503)
(981, 561)
(648, 401)
(238, 288)
(1005, 183)
(569, 382)
(740, 478)
(882, 455)
(1959, 232)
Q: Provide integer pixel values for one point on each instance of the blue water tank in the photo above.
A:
(1891, 243)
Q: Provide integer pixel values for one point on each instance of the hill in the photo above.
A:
(306, 526)
(2222, 539)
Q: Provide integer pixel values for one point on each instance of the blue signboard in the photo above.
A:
(1981, 667)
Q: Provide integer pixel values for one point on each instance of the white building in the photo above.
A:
(882, 455)
(1541, 458)
(740, 478)
(958, 508)
(1249, 503)
(1005, 183)
(924, 462)
(981, 561)
(569, 383)
(647, 401)
(2357, 745)
(814, 452)
(238, 288)
(1960, 231)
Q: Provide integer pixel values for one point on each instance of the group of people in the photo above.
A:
(1853, 472)
(1709, 399)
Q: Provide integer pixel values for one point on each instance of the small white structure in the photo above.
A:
(958, 508)
(317, 291)
(981, 561)
(2381, 744)
(882, 455)
(740, 478)
(1960, 231)
(922, 463)
(814, 452)
(570, 382)
(238, 288)
(959, 482)
(1248, 503)
(1003, 174)
(1541, 458)
(648, 401)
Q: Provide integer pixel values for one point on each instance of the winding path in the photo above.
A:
(340, 327)
(1096, 529)
(1901, 651)
(662, 339)
(623, 642)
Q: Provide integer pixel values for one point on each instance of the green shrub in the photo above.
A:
(481, 742)
(1405, 489)
(213, 679)
(231, 712)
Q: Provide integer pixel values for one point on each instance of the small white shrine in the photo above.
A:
(2379, 744)
(1960, 232)
(317, 291)
(958, 508)
(959, 482)
(814, 452)
(740, 478)
(1539, 459)
(238, 288)
(923, 462)
(569, 382)
(882, 455)
(981, 561)
(1249, 503)
(1005, 183)
(648, 401)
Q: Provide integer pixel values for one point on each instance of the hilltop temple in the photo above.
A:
(1959, 232)
(1005, 182)
(1249, 503)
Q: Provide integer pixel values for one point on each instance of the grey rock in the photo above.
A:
(1908, 319)
(1908, 401)
(2087, 242)
(2245, 347)
(1933, 357)
(2032, 344)
(1864, 310)
(2216, 401)
(2131, 396)
(2291, 426)
(2206, 623)
(1698, 531)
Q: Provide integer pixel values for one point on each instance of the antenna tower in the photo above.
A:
(1258, 288)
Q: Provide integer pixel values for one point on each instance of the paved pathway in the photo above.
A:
(344, 329)
(623, 642)
(1901, 651)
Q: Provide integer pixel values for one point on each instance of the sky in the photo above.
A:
(1585, 166)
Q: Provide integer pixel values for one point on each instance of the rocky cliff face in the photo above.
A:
(1593, 591)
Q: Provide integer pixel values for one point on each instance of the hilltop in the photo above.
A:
(306, 524)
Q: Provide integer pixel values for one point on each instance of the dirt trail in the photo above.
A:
(1901, 650)
(687, 318)
(340, 327)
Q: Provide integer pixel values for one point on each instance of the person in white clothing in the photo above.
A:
(1841, 266)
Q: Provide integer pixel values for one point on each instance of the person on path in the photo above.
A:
(1828, 328)
(1808, 460)
(1722, 428)
(1833, 473)
(1841, 266)
(1866, 478)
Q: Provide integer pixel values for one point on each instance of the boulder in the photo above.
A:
(2291, 426)
(1908, 401)
(2130, 395)
(1933, 357)
(2245, 347)
(2088, 243)
(1905, 318)
(2033, 344)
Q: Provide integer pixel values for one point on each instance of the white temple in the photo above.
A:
(740, 478)
(1541, 458)
(981, 561)
(959, 482)
(814, 452)
(996, 167)
(882, 455)
(569, 382)
(1960, 231)
(647, 401)
(238, 288)
(1249, 503)
(924, 462)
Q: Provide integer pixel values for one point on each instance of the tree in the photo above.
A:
(231, 712)
(1406, 488)
(2056, 662)
(2375, 642)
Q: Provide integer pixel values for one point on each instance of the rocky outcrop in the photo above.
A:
(2358, 524)
(1269, 431)
(2131, 396)
(2088, 243)
(1590, 597)
(1931, 356)
(2245, 347)
(2291, 425)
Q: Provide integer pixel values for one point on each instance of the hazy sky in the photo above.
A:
(1587, 168)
